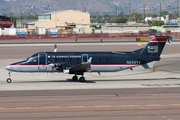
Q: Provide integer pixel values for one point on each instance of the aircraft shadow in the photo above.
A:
(59, 81)
(94, 81)
(140, 79)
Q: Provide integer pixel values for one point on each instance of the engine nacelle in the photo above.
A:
(66, 71)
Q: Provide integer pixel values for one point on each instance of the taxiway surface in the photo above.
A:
(126, 95)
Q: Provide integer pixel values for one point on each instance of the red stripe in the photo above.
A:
(158, 40)
(27, 65)
(115, 64)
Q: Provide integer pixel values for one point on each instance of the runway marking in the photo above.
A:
(75, 106)
(101, 106)
(154, 70)
(161, 85)
(127, 105)
(23, 108)
(139, 44)
(49, 107)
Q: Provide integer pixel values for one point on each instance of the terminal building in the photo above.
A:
(64, 19)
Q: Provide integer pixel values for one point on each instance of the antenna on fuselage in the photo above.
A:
(55, 48)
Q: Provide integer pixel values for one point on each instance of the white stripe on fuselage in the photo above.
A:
(94, 68)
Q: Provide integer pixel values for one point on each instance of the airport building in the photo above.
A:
(64, 19)
(5, 22)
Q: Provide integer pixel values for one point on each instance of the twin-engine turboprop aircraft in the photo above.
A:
(78, 63)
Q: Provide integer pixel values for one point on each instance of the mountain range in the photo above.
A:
(34, 7)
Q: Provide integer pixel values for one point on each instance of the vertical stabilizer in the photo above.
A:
(155, 46)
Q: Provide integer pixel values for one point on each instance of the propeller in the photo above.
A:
(52, 64)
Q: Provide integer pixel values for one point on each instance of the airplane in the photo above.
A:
(78, 63)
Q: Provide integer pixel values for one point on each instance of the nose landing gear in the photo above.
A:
(9, 79)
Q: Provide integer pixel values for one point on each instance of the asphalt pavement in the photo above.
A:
(126, 95)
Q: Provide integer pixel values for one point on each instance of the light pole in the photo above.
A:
(177, 10)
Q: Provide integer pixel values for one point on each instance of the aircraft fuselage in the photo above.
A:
(101, 61)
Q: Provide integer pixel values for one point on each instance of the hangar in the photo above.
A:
(64, 19)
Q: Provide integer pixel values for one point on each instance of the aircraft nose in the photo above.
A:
(8, 67)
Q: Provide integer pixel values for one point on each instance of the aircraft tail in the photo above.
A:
(154, 48)
(151, 53)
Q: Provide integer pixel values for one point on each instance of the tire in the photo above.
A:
(75, 78)
(9, 80)
(82, 79)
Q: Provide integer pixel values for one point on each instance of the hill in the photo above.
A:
(92, 6)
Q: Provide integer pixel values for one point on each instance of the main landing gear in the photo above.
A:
(75, 78)
(9, 79)
(81, 79)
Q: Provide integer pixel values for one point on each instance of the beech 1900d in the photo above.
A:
(78, 63)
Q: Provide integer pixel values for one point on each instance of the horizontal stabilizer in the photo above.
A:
(169, 38)
(144, 66)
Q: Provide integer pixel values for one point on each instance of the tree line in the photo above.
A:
(136, 17)
(119, 18)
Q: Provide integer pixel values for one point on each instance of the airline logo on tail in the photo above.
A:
(152, 49)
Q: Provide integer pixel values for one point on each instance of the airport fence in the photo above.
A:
(93, 35)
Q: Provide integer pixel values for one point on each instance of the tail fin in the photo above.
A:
(151, 53)
(155, 46)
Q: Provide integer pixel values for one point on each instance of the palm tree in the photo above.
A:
(175, 13)
(136, 16)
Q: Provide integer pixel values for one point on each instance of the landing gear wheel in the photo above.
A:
(75, 78)
(82, 79)
(9, 80)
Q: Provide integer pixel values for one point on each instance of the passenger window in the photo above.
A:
(63, 59)
(56, 60)
(92, 60)
(99, 59)
(77, 59)
(35, 60)
(107, 59)
(70, 59)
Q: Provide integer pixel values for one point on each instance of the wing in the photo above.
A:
(83, 67)
(73, 68)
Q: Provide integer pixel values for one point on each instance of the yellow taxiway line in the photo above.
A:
(139, 44)
(101, 106)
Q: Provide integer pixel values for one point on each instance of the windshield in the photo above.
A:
(28, 58)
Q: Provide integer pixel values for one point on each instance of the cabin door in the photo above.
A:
(84, 58)
(42, 61)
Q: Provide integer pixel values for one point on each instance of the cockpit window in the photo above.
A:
(31, 59)
(28, 58)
